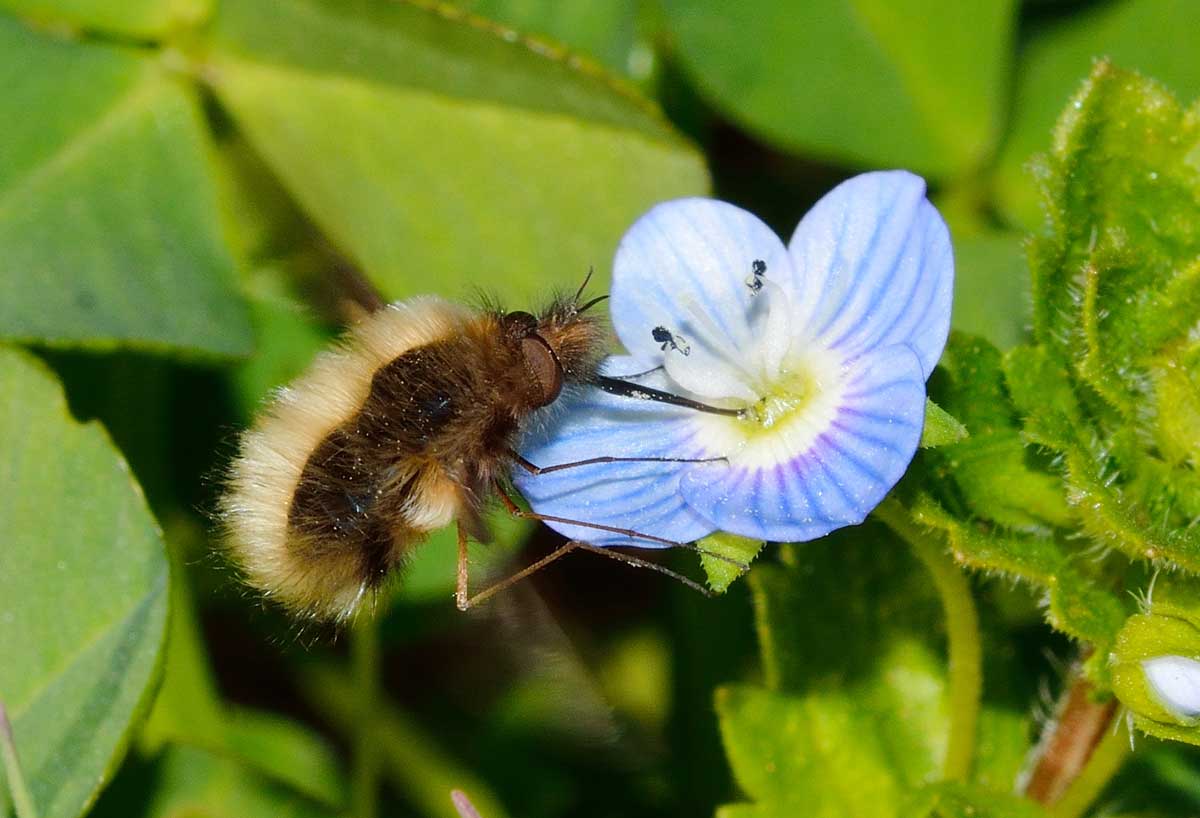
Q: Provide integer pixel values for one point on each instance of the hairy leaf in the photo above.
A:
(721, 574)
(1154, 36)
(941, 428)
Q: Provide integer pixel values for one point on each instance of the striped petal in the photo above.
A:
(846, 460)
(643, 496)
(875, 268)
(683, 287)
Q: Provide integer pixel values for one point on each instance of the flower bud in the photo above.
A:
(1156, 663)
(1176, 682)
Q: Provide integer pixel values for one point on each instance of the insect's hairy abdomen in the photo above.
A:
(307, 574)
(395, 469)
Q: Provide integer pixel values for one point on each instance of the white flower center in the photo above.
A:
(789, 395)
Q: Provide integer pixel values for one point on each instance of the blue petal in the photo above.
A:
(686, 256)
(643, 497)
(876, 268)
(841, 477)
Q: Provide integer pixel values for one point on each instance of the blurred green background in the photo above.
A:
(188, 192)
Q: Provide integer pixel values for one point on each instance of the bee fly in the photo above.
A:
(404, 426)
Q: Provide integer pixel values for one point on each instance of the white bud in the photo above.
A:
(1176, 682)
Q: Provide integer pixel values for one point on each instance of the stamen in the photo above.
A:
(711, 336)
(755, 281)
(677, 343)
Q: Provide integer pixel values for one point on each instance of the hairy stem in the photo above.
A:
(12, 769)
(1103, 764)
(962, 630)
(1079, 752)
(364, 651)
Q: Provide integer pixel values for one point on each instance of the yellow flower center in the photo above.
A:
(795, 409)
(783, 398)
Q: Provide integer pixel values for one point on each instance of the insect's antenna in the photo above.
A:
(583, 286)
(590, 304)
(616, 386)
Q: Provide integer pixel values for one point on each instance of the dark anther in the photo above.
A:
(755, 281)
(662, 335)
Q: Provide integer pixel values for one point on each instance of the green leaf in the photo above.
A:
(912, 84)
(109, 232)
(992, 470)
(1122, 189)
(195, 782)
(189, 711)
(462, 142)
(991, 288)
(606, 31)
(840, 659)
(135, 18)
(941, 427)
(83, 592)
(1114, 280)
(288, 338)
(1153, 36)
(287, 752)
(413, 761)
(810, 756)
(1040, 387)
(1078, 604)
(951, 800)
(720, 573)
(187, 707)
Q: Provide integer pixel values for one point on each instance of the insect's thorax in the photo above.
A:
(432, 433)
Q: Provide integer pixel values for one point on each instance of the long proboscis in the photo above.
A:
(616, 386)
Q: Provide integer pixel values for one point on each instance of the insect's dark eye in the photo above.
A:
(544, 370)
(520, 324)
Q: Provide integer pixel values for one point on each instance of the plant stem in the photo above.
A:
(1103, 764)
(12, 769)
(962, 630)
(364, 652)
(1079, 724)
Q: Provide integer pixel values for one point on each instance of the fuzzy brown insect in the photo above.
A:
(405, 426)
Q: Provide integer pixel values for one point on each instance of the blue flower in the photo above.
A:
(824, 345)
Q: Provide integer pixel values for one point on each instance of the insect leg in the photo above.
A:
(460, 590)
(567, 548)
(465, 602)
(533, 469)
(517, 511)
